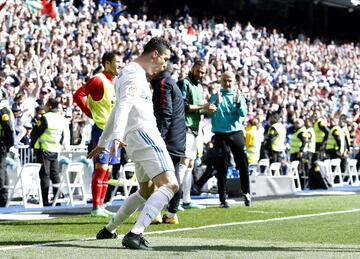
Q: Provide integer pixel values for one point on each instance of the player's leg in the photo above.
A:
(130, 205)
(170, 217)
(236, 142)
(157, 164)
(190, 154)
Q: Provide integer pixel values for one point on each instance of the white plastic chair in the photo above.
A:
(72, 180)
(127, 184)
(274, 169)
(265, 162)
(335, 172)
(294, 173)
(29, 180)
(351, 173)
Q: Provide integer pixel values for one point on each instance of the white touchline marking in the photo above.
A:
(195, 228)
(253, 221)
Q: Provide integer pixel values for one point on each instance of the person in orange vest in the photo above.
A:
(96, 99)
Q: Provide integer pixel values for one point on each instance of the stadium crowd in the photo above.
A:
(51, 53)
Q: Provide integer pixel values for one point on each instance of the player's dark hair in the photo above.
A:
(157, 43)
(109, 56)
(199, 62)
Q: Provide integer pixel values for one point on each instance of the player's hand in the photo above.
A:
(96, 151)
(218, 101)
(115, 146)
(210, 107)
(238, 95)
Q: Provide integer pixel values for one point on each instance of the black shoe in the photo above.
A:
(247, 200)
(47, 204)
(224, 205)
(106, 234)
(135, 241)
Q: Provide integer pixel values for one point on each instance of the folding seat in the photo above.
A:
(294, 173)
(71, 185)
(127, 184)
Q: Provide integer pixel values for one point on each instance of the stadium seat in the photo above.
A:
(29, 182)
(274, 169)
(335, 172)
(351, 174)
(253, 170)
(71, 185)
(294, 173)
(127, 184)
(263, 163)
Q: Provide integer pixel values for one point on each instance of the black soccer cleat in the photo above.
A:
(136, 241)
(247, 199)
(106, 234)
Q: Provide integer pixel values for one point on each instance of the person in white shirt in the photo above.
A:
(132, 125)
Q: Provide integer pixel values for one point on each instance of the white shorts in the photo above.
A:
(148, 151)
(190, 147)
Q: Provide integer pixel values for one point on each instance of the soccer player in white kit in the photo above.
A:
(132, 124)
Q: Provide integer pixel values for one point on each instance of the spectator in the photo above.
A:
(170, 118)
(47, 137)
(192, 92)
(229, 136)
(7, 140)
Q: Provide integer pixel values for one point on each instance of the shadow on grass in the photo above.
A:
(253, 248)
(26, 243)
(216, 248)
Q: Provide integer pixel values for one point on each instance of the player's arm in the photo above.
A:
(94, 87)
(325, 129)
(336, 136)
(38, 130)
(271, 136)
(165, 119)
(241, 105)
(114, 130)
(303, 139)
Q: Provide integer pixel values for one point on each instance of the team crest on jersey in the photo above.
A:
(131, 91)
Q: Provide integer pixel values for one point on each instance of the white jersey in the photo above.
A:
(133, 109)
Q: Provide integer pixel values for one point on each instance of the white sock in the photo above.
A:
(181, 169)
(152, 208)
(187, 186)
(131, 204)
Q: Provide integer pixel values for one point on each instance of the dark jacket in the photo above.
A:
(7, 131)
(169, 113)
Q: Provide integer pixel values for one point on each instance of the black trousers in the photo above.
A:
(225, 143)
(321, 153)
(276, 157)
(49, 171)
(4, 178)
(175, 201)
